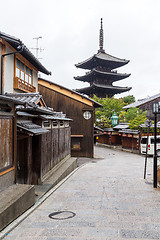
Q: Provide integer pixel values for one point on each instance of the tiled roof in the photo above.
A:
(31, 127)
(142, 101)
(15, 42)
(10, 99)
(27, 106)
(30, 98)
(56, 116)
(113, 76)
(114, 89)
(122, 126)
(131, 131)
(106, 60)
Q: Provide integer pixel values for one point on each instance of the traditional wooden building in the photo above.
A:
(130, 139)
(19, 67)
(34, 140)
(38, 137)
(145, 105)
(43, 138)
(122, 137)
(79, 108)
(8, 135)
(102, 73)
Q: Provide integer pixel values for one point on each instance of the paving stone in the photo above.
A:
(99, 232)
(111, 201)
(151, 226)
(139, 234)
(61, 232)
(56, 238)
(119, 225)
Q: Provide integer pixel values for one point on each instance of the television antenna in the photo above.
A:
(37, 48)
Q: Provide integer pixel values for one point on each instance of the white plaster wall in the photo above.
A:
(8, 72)
(35, 80)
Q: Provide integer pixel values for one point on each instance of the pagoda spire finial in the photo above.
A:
(101, 37)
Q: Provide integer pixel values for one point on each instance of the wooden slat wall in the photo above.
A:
(6, 142)
(55, 146)
(105, 139)
(74, 110)
(129, 143)
(39, 154)
(46, 152)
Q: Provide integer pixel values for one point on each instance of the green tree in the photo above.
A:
(110, 105)
(128, 99)
(131, 114)
(139, 119)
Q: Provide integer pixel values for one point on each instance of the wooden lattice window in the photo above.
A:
(23, 72)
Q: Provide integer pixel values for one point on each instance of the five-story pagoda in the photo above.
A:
(101, 75)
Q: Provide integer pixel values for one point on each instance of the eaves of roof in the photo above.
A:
(15, 42)
(143, 101)
(47, 117)
(12, 100)
(130, 131)
(121, 126)
(112, 76)
(105, 59)
(35, 130)
(73, 92)
(27, 97)
(104, 87)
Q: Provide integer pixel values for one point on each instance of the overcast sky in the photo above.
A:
(70, 34)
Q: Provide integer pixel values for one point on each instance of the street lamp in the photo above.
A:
(114, 119)
(155, 110)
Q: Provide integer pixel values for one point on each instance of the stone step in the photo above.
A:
(14, 200)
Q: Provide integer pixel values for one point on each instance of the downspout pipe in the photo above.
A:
(20, 49)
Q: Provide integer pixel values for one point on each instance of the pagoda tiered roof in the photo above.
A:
(101, 74)
(102, 59)
(98, 74)
(103, 90)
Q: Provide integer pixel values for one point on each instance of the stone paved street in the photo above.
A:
(109, 198)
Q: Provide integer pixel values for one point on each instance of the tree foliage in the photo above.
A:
(110, 105)
(133, 116)
(128, 99)
(139, 119)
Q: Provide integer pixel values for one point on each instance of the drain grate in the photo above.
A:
(62, 215)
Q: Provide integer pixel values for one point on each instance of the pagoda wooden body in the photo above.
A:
(102, 73)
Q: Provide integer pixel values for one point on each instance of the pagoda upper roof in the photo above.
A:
(112, 76)
(108, 89)
(102, 59)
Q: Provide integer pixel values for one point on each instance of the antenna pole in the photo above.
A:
(37, 48)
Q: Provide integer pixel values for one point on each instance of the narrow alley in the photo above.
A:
(105, 198)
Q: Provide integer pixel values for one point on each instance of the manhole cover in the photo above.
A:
(62, 215)
(150, 183)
